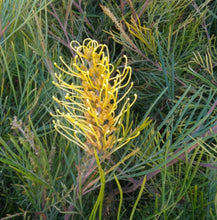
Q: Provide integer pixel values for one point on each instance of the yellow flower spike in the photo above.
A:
(92, 120)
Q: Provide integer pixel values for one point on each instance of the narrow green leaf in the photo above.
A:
(121, 197)
(138, 198)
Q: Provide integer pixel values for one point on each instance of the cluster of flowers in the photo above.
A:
(92, 97)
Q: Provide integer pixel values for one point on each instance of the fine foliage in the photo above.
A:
(108, 109)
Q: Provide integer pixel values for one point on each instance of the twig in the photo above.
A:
(144, 7)
(2, 31)
(133, 11)
(63, 27)
(207, 165)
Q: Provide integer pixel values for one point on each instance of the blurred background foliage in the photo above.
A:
(171, 47)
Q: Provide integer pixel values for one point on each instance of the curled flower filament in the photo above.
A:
(92, 99)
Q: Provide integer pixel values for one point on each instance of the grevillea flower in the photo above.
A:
(91, 99)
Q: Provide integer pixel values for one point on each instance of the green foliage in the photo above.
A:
(167, 172)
